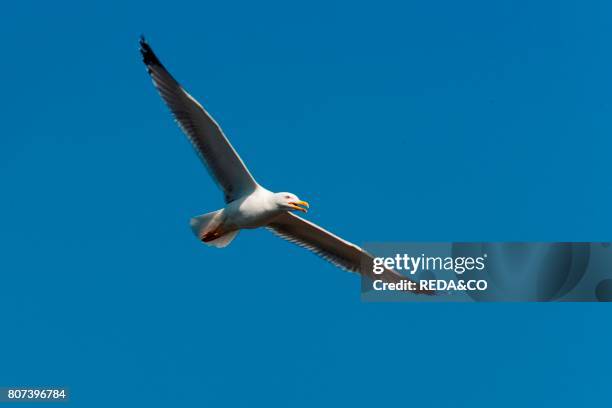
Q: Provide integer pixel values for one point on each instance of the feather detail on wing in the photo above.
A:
(220, 158)
(330, 247)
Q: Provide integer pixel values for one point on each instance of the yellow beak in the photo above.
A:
(300, 206)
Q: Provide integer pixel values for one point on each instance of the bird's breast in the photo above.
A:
(251, 212)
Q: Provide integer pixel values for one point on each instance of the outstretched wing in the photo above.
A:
(212, 146)
(330, 247)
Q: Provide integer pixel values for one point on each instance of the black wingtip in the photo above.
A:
(148, 56)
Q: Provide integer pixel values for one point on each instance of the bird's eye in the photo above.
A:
(287, 197)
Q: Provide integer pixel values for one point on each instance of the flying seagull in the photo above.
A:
(248, 204)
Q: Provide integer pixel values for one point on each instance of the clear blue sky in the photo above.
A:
(442, 120)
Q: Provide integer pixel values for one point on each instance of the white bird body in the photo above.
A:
(252, 211)
(248, 205)
(219, 228)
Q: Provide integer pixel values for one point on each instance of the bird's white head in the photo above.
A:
(290, 202)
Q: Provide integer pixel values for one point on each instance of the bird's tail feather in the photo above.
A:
(205, 222)
(207, 227)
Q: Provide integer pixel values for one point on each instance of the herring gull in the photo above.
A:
(248, 204)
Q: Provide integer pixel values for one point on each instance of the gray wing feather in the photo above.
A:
(330, 247)
(216, 152)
